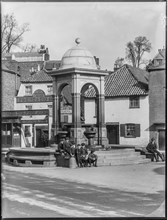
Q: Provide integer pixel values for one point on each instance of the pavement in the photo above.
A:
(143, 178)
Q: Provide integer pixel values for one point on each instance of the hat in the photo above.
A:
(153, 139)
(83, 144)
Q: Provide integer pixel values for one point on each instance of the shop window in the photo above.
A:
(28, 107)
(27, 131)
(134, 102)
(28, 90)
(130, 130)
(50, 90)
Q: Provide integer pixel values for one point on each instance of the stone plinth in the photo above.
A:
(28, 157)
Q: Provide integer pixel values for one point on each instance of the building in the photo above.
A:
(10, 124)
(29, 62)
(125, 111)
(35, 95)
(126, 106)
(157, 98)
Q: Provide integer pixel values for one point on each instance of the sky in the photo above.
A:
(103, 27)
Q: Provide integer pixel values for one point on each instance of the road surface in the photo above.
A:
(27, 195)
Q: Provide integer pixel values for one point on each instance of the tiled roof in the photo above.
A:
(52, 64)
(6, 69)
(27, 54)
(40, 76)
(158, 57)
(26, 67)
(139, 74)
(11, 65)
(123, 82)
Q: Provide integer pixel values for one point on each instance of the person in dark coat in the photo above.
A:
(61, 146)
(92, 158)
(83, 155)
(152, 148)
(78, 154)
(67, 146)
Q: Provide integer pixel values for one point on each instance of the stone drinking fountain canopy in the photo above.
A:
(79, 70)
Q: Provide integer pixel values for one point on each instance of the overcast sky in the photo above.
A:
(104, 28)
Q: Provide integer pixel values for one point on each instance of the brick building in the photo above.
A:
(157, 85)
(10, 81)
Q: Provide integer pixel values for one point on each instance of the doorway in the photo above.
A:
(41, 137)
(113, 133)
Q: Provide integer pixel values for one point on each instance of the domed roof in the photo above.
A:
(79, 57)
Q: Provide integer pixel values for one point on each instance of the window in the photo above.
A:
(50, 89)
(50, 110)
(28, 107)
(28, 90)
(134, 102)
(130, 130)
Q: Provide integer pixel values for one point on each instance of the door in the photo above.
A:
(41, 137)
(113, 134)
(38, 138)
(161, 139)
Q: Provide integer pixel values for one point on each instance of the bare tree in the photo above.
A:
(136, 49)
(29, 48)
(119, 62)
(12, 33)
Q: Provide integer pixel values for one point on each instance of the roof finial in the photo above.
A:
(77, 40)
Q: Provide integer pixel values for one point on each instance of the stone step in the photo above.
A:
(116, 150)
(123, 162)
(130, 157)
(121, 159)
(117, 154)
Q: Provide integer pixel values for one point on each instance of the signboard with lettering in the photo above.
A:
(25, 112)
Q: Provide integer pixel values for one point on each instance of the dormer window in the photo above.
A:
(50, 89)
(28, 90)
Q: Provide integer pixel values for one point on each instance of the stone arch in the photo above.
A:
(64, 98)
(39, 93)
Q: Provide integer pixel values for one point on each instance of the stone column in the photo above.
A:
(55, 124)
(76, 117)
(102, 135)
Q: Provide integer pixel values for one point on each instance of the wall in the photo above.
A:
(90, 111)
(35, 86)
(117, 110)
(157, 96)
(8, 90)
(35, 105)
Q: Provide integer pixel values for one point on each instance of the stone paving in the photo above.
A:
(142, 178)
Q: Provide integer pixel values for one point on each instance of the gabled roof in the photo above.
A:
(52, 64)
(27, 54)
(26, 67)
(158, 57)
(6, 69)
(40, 76)
(124, 82)
(139, 74)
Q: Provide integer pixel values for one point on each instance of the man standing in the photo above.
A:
(152, 148)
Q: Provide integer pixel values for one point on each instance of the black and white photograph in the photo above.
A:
(83, 123)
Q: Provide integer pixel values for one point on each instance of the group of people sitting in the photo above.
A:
(82, 155)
